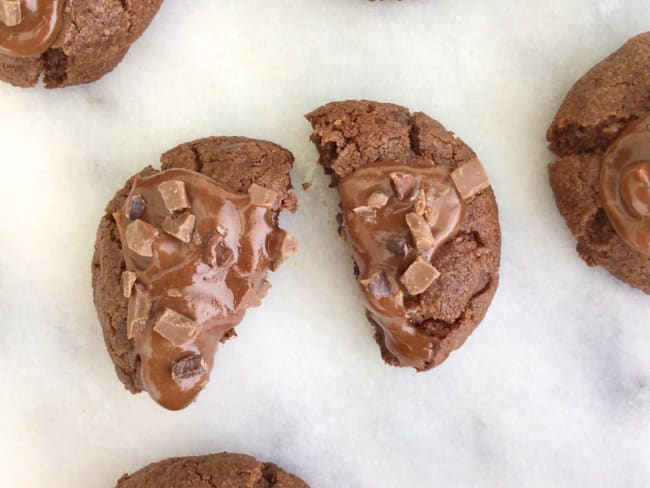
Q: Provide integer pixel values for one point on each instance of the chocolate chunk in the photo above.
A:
(189, 367)
(135, 207)
(217, 253)
(10, 12)
(285, 245)
(128, 279)
(470, 179)
(431, 215)
(174, 293)
(174, 195)
(180, 227)
(378, 199)
(420, 231)
(262, 197)
(249, 298)
(419, 276)
(140, 237)
(404, 183)
(377, 285)
(420, 202)
(175, 327)
(397, 245)
(138, 312)
(263, 288)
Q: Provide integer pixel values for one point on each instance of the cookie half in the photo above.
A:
(181, 254)
(601, 179)
(222, 470)
(421, 221)
(69, 42)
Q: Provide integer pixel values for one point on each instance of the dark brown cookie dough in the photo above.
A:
(601, 106)
(446, 289)
(236, 162)
(224, 470)
(91, 38)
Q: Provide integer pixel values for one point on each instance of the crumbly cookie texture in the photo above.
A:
(238, 163)
(92, 38)
(427, 258)
(594, 115)
(215, 470)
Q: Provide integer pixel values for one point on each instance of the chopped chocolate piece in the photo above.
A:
(419, 276)
(189, 367)
(404, 184)
(262, 197)
(140, 237)
(128, 279)
(431, 215)
(377, 285)
(397, 245)
(377, 199)
(217, 253)
(135, 207)
(249, 298)
(420, 202)
(174, 292)
(10, 12)
(263, 289)
(285, 245)
(180, 227)
(470, 179)
(420, 231)
(175, 327)
(138, 312)
(174, 195)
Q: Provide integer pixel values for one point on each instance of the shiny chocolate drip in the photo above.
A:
(383, 245)
(625, 184)
(186, 278)
(39, 26)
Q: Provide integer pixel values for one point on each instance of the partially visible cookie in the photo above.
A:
(421, 221)
(69, 42)
(601, 181)
(181, 254)
(224, 470)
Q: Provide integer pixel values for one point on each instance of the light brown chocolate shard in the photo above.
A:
(420, 231)
(397, 245)
(180, 227)
(217, 253)
(248, 299)
(140, 236)
(285, 245)
(420, 202)
(263, 289)
(431, 215)
(262, 197)
(405, 184)
(378, 199)
(419, 276)
(470, 179)
(189, 367)
(138, 312)
(10, 12)
(175, 327)
(377, 285)
(128, 279)
(174, 195)
(135, 207)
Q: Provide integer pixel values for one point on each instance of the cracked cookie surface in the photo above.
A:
(222, 470)
(597, 110)
(452, 286)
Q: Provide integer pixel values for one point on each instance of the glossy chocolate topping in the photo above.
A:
(625, 184)
(196, 256)
(34, 30)
(395, 217)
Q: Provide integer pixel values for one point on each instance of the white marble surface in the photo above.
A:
(553, 389)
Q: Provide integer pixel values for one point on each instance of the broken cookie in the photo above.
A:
(180, 256)
(421, 221)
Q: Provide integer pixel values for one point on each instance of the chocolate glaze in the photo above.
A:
(39, 27)
(178, 276)
(371, 236)
(625, 184)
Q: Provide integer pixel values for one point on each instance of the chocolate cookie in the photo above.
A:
(182, 253)
(69, 42)
(421, 221)
(601, 181)
(223, 470)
